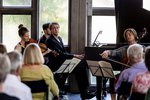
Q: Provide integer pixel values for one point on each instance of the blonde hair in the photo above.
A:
(33, 55)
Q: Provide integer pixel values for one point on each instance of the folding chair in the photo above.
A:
(124, 90)
(137, 96)
(38, 87)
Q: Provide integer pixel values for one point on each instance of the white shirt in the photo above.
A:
(14, 87)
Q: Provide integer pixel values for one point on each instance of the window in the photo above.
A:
(107, 25)
(103, 19)
(103, 3)
(17, 3)
(55, 11)
(10, 29)
(146, 4)
(15, 12)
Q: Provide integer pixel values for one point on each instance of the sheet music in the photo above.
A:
(101, 68)
(106, 69)
(68, 65)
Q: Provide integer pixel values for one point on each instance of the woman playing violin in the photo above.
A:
(25, 40)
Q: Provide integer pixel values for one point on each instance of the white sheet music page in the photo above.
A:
(68, 65)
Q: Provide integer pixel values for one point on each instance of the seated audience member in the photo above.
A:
(12, 85)
(3, 48)
(135, 57)
(33, 69)
(54, 42)
(141, 83)
(4, 70)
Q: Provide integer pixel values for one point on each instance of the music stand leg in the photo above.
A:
(99, 84)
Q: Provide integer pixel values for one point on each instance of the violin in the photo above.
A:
(32, 40)
(43, 47)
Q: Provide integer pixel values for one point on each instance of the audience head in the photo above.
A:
(3, 49)
(16, 61)
(23, 32)
(54, 28)
(128, 33)
(46, 28)
(135, 53)
(147, 57)
(33, 55)
(4, 67)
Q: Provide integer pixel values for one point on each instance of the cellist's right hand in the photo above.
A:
(105, 54)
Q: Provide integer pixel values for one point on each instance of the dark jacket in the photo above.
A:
(55, 62)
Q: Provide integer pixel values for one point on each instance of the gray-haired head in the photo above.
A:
(15, 59)
(135, 53)
(4, 67)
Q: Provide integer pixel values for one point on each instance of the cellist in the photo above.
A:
(131, 37)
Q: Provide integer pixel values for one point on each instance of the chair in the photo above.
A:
(137, 96)
(124, 90)
(38, 86)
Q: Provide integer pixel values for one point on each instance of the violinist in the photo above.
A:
(25, 40)
(43, 39)
(130, 35)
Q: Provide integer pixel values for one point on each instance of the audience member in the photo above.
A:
(33, 69)
(135, 57)
(4, 70)
(54, 42)
(12, 85)
(3, 48)
(141, 83)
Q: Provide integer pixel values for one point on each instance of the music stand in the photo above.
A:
(68, 65)
(101, 68)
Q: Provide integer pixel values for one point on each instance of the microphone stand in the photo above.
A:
(94, 43)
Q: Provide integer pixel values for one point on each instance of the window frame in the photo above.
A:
(96, 11)
(21, 10)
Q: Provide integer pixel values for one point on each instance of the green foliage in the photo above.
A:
(16, 2)
(55, 10)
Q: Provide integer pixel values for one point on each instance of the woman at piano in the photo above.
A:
(131, 37)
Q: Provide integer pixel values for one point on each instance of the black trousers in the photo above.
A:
(81, 74)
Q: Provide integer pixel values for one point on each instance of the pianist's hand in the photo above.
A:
(105, 54)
